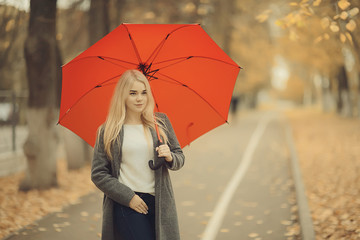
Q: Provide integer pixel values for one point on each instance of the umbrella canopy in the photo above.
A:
(192, 79)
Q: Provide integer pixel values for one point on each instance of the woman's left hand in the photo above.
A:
(164, 151)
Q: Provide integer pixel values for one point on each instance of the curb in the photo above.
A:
(306, 224)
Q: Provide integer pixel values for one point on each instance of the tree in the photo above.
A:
(99, 22)
(330, 27)
(78, 152)
(12, 26)
(41, 55)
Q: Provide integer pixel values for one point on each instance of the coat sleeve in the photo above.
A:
(176, 151)
(101, 175)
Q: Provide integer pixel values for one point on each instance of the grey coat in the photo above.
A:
(105, 174)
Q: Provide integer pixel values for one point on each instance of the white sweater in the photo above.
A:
(136, 152)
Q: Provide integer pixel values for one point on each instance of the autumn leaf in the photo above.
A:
(316, 3)
(351, 25)
(342, 38)
(253, 235)
(343, 4)
(349, 37)
(334, 27)
(325, 22)
(344, 15)
(263, 16)
(353, 12)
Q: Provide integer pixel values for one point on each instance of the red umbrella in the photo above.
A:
(192, 79)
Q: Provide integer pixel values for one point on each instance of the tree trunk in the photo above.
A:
(77, 150)
(344, 102)
(99, 23)
(41, 58)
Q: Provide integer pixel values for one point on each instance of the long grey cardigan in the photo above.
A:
(105, 174)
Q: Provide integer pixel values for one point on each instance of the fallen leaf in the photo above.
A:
(84, 214)
(287, 223)
(253, 235)
(249, 218)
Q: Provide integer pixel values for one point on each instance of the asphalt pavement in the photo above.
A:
(237, 183)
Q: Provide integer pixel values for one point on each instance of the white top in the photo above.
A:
(136, 153)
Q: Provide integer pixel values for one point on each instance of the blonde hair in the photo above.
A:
(117, 110)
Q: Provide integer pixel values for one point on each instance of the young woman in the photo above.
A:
(138, 202)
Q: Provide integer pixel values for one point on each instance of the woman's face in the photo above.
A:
(137, 98)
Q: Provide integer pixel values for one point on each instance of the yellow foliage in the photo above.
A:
(316, 3)
(343, 4)
(351, 25)
(353, 12)
(294, 90)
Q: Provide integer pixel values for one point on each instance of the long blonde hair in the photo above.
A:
(117, 110)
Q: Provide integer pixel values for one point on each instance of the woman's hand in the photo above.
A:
(138, 205)
(164, 151)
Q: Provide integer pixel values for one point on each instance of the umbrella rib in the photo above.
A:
(102, 58)
(115, 59)
(133, 44)
(181, 59)
(184, 85)
(102, 84)
(157, 50)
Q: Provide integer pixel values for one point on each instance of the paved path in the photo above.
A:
(236, 184)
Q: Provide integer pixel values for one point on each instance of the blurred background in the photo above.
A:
(293, 54)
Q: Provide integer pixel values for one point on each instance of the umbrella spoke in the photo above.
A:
(133, 44)
(157, 50)
(182, 59)
(105, 59)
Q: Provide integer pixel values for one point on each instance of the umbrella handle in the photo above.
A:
(158, 165)
(161, 161)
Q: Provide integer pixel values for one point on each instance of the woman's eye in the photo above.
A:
(144, 93)
(132, 93)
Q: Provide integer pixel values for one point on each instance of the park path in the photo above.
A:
(236, 184)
